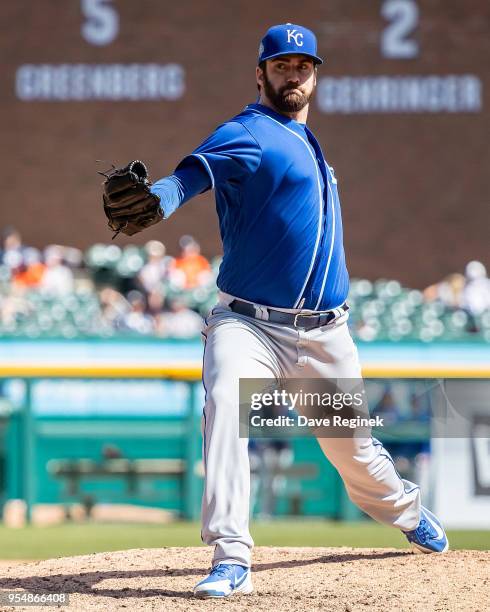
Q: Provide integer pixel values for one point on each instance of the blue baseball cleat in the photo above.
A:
(429, 536)
(224, 580)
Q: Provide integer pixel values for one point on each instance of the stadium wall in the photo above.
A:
(402, 116)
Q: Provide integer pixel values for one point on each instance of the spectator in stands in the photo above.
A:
(57, 279)
(136, 319)
(449, 291)
(30, 272)
(180, 321)
(190, 269)
(72, 257)
(155, 303)
(476, 292)
(155, 271)
(13, 307)
(12, 249)
(114, 306)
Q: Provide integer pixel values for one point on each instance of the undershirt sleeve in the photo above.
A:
(188, 180)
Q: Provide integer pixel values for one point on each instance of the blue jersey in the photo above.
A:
(278, 209)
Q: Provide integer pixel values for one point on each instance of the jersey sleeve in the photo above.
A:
(230, 155)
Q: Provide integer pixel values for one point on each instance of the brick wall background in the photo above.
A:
(414, 188)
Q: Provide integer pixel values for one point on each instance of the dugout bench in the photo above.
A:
(134, 473)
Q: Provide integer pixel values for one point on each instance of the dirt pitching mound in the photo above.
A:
(345, 579)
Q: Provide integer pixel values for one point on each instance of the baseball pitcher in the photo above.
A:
(282, 285)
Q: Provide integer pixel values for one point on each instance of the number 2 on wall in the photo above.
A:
(402, 17)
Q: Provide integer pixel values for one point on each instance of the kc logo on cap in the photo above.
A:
(294, 34)
(287, 39)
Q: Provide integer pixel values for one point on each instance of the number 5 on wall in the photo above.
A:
(101, 25)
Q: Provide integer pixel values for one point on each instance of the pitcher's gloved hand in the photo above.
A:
(129, 205)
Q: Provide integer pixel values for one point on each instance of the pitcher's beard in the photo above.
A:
(286, 99)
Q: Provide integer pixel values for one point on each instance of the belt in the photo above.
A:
(304, 321)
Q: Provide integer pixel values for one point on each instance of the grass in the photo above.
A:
(83, 538)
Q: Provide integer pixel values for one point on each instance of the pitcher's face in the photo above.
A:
(288, 81)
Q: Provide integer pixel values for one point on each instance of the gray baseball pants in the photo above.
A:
(237, 347)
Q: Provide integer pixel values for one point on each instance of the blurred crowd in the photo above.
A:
(147, 298)
(469, 291)
(456, 308)
(108, 290)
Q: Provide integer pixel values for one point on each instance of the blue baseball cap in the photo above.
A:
(286, 39)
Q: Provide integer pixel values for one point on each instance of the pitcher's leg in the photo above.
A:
(365, 466)
(372, 481)
(233, 350)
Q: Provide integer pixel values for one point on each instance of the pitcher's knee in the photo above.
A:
(221, 399)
